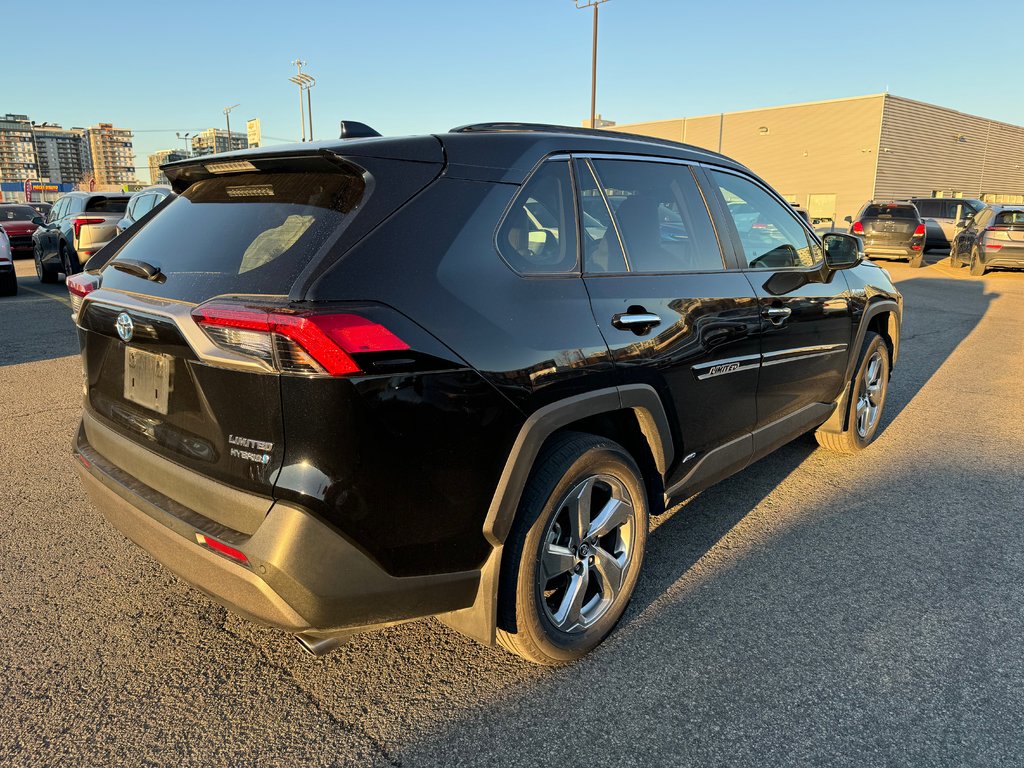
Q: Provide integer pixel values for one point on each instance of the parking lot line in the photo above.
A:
(66, 302)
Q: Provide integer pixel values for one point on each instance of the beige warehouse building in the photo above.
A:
(832, 156)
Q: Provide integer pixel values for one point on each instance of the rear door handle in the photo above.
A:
(636, 321)
(776, 314)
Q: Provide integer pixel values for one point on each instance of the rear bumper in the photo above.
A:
(891, 251)
(1011, 257)
(301, 576)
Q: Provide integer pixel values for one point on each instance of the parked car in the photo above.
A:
(79, 224)
(141, 203)
(8, 277)
(19, 221)
(344, 385)
(993, 237)
(41, 208)
(942, 215)
(891, 230)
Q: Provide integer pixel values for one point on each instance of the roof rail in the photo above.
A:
(513, 127)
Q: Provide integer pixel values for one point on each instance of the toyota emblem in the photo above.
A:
(125, 327)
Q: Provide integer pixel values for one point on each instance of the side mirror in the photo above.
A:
(841, 251)
(848, 219)
(38, 221)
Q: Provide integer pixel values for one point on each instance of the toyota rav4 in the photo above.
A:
(342, 385)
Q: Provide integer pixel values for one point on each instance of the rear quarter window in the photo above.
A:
(1009, 218)
(106, 204)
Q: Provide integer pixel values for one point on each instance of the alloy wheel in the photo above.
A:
(39, 262)
(871, 394)
(586, 552)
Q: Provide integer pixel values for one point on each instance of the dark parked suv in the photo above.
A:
(892, 230)
(342, 385)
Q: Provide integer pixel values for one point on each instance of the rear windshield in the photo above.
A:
(106, 204)
(1007, 218)
(16, 213)
(890, 212)
(247, 233)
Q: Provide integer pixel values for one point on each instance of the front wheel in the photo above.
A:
(867, 399)
(574, 553)
(44, 274)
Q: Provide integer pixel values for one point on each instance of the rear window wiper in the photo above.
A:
(138, 268)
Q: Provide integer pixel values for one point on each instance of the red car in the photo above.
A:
(17, 221)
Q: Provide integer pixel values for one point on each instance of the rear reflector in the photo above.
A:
(858, 228)
(222, 548)
(295, 343)
(993, 246)
(997, 228)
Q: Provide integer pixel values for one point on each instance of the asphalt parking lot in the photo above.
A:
(812, 610)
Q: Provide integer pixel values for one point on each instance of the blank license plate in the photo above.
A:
(147, 378)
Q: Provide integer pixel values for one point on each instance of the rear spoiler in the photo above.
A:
(184, 173)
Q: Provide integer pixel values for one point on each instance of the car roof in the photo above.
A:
(497, 151)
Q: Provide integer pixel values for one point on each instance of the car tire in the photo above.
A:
(868, 387)
(45, 274)
(977, 265)
(69, 261)
(954, 260)
(562, 592)
(9, 284)
(917, 261)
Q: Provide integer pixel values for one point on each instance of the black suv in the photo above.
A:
(892, 230)
(342, 385)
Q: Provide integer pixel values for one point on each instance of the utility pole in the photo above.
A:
(227, 116)
(309, 103)
(301, 79)
(581, 4)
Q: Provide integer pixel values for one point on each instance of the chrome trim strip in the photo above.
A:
(802, 353)
(745, 362)
(179, 313)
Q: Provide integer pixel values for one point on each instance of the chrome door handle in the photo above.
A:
(776, 314)
(636, 321)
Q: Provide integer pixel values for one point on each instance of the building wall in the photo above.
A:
(214, 140)
(928, 150)
(60, 153)
(821, 155)
(18, 160)
(111, 157)
(156, 176)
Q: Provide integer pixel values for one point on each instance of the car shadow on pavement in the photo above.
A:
(36, 323)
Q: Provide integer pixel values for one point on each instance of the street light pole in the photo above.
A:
(227, 116)
(298, 79)
(309, 102)
(581, 4)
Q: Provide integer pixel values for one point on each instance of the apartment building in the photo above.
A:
(156, 176)
(18, 160)
(110, 156)
(60, 153)
(214, 140)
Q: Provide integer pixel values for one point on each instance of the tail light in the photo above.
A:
(858, 228)
(222, 548)
(79, 286)
(295, 342)
(79, 223)
(997, 228)
(993, 246)
(919, 232)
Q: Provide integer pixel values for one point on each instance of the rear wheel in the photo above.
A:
(575, 550)
(9, 284)
(44, 273)
(69, 261)
(977, 265)
(868, 389)
(917, 261)
(954, 259)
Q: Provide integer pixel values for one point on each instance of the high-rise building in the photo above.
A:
(214, 140)
(59, 151)
(110, 157)
(18, 161)
(156, 176)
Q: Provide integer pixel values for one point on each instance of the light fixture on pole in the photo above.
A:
(302, 80)
(581, 4)
(188, 143)
(227, 116)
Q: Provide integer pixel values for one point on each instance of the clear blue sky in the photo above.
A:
(415, 67)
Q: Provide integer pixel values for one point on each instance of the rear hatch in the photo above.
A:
(890, 224)
(97, 225)
(1006, 230)
(169, 364)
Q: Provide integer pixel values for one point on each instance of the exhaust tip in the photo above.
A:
(318, 646)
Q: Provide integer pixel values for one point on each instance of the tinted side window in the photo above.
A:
(770, 234)
(106, 204)
(602, 251)
(931, 208)
(57, 212)
(661, 216)
(75, 205)
(538, 235)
